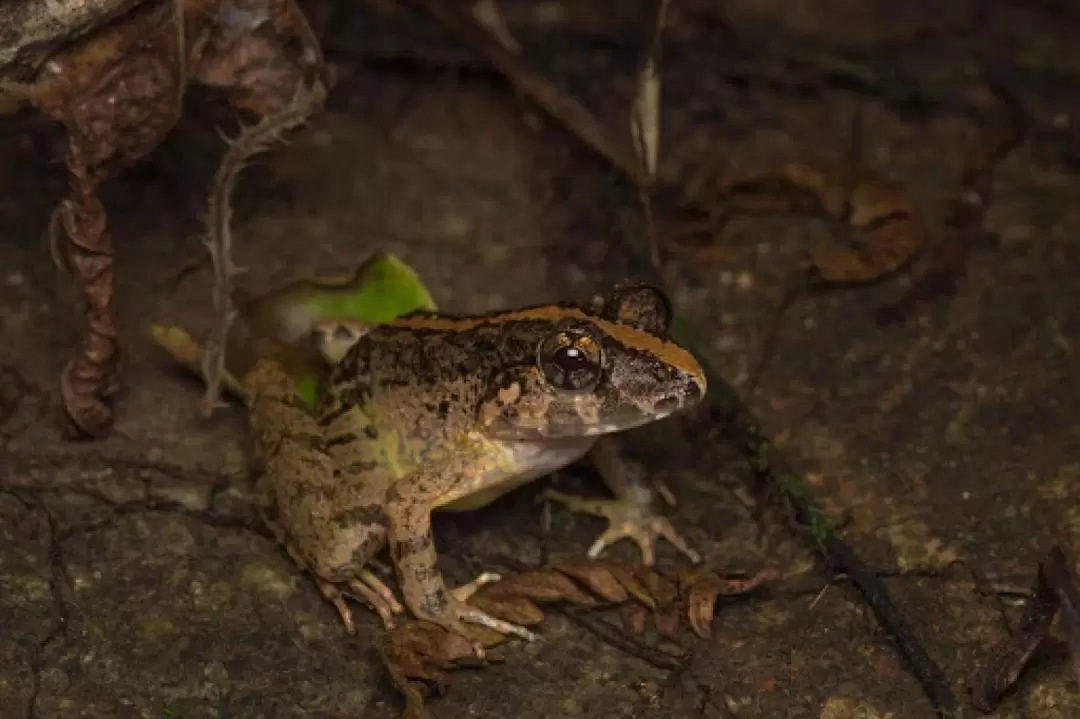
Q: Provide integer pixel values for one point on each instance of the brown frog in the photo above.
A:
(433, 411)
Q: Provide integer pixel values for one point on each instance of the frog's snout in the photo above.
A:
(693, 390)
(687, 395)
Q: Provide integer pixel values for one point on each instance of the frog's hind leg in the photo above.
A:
(633, 514)
(331, 525)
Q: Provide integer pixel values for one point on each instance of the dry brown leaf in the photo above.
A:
(702, 589)
(517, 610)
(886, 222)
(668, 621)
(420, 651)
(546, 585)
(633, 617)
(629, 580)
(597, 577)
(701, 603)
(664, 591)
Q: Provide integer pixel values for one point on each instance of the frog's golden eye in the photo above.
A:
(570, 360)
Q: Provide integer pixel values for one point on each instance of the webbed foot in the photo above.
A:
(627, 519)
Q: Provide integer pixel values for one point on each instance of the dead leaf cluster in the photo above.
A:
(419, 655)
(117, 92)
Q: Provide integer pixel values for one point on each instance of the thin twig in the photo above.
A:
(250, 142)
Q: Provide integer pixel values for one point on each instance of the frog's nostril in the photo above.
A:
(667, 405)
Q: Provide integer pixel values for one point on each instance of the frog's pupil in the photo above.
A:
(571, 359)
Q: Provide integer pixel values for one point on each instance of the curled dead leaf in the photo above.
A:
(702, 589)
(702, 592)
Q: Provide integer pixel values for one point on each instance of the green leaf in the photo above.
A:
(279, 322)
(381, 290)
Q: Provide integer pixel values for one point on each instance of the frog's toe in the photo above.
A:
(334, 596)
(457, 615)
(643, 532)
(472, 615)
(369, 588)
(465, 591)
(627, 520)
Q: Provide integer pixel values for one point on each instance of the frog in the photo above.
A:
(442, 412)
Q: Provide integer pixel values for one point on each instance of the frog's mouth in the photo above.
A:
(580, 416)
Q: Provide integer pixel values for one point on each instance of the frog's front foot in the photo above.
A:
(628, 518)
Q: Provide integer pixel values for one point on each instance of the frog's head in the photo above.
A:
(595, 371)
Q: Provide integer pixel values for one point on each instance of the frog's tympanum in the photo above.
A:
(443, 412)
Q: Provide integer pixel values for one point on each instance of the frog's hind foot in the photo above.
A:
(456, 615)
(334, 596)
(372, 590)
(365, 587)
(627, 519)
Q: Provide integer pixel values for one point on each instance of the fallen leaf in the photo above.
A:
(664, 591)
(515, 609)
(597, 577)
(542, 585)
(629, 580)
(883, 217)
(703, 591)
(703, 588)
(633, 617)
(668, 621)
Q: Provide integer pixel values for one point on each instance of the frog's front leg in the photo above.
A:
(408, 508)
(633, 514)
(330, 525)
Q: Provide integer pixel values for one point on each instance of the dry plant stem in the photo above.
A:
(645, 123)
(727, 408)
(250, 142)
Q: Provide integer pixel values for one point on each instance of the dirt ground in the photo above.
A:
(135, 581)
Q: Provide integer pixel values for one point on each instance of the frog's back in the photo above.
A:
(398, 397)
